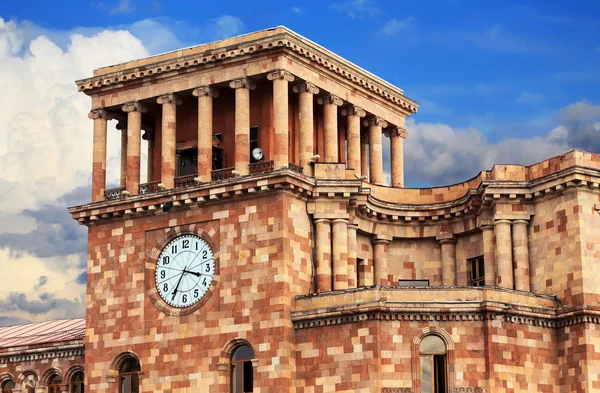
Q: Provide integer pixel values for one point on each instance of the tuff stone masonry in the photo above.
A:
(337, 281)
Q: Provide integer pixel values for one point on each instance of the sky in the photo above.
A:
(498, 82)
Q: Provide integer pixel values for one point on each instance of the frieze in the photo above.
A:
(396, 390)
(470, 390)
(41, 356)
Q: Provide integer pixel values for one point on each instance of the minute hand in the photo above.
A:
(177, 286)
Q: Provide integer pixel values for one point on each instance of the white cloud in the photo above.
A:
(123, 7)
(530, 98)
(394, 26)
(297, 10)
(226, 26)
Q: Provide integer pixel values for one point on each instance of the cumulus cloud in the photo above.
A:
(582, 120)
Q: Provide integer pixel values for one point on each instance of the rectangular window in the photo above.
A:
(433, 373)
(360, 266)
(476, 272)
(217, 152)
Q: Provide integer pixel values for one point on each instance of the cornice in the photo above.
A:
(286, 42)
(28, 356)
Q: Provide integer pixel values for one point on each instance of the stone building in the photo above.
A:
(264, 251)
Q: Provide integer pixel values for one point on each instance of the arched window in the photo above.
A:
(432, 351)
(129, 381)
(30, 382)
(8, 386)
(241, 370)
(54, 383)
(77, 382)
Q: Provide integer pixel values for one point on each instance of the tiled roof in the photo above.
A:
(42, 332)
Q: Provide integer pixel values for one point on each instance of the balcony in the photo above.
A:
(114, 193)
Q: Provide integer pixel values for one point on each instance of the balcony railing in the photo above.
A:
(149, 187)
(295, 168)
(113, 193)
(261, 167)
(185, 181)
(222, 174)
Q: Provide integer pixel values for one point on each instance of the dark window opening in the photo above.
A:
(253, 143)
(8, 386)
(217, 152)
(241, 370)
(359, 267)
(54, 384)
(129, 376)
(476, 272)
(187, 162)
(77, 382)
(433, 365)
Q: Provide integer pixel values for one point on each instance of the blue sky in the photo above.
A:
(498, 82)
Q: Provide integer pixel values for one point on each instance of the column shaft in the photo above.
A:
(489, 262)
(352, 266)
(242, 123)
(168, 169)
(364, 154)
(354, 114)
(323, 249)
(397, 161)
(380, 261)
(340, 254)
(100, 118)
(205, 96)
(521, 255)
(134, 139)
(448, 262)
(504, 254)
(123, 127)
(306, 116)
(330, 126)
(375, 153)
(280, 80)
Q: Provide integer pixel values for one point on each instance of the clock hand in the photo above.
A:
(194, 273)
(177, 286)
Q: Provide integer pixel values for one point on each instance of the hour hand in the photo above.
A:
(194, 273)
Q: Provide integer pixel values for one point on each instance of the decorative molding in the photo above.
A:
(330, 99)
(42, 355)
(169, 99)
(396, 390)
(306, 87)
(99, 114)
(470, 390)
(134, 106)
(206, 91)
(353, 110)
(242, 83)
(281, 75)
(396, 132)
(375, 121)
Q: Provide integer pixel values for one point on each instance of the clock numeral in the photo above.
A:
(186, 244)
(174, 249)
(204, 254)
(166, 287)
(204, 282)
(166, 260)
(196, 293)
(162, 274)
(196, 246)
(207, 267)
(184, 298)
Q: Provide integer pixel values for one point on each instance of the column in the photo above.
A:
(306, 92)
(489, 263)
(205, 96)
(100, 117)
(380, 261)
(354, 113)
(149, 137)
(521, 255)
(168, 168)
(242, 88)
(448, 261)
(397, 136)
(122, 125)
(134, 112)
(340, 253)
(364, 153)
(330, 127)
(281, 115)
(375, 155)
(323, 249)
(352, 267)
(504, 254)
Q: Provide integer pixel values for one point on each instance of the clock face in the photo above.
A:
(184, 271)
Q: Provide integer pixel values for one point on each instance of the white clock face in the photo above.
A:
(184, 271)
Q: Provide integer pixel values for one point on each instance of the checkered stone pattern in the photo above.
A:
(263, 246)
(410, 259)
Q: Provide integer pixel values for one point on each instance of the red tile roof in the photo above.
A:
(42, 332)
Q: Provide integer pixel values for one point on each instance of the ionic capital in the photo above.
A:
(353, 110)
(169, 99)
(242, 83)
(306, 87)
(205, 91)
(396, 132)
(99, 114)
(280, 74)
(375, 121)
(133, 106)
(330, 99)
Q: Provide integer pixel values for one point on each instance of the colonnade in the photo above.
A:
(357, 148)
